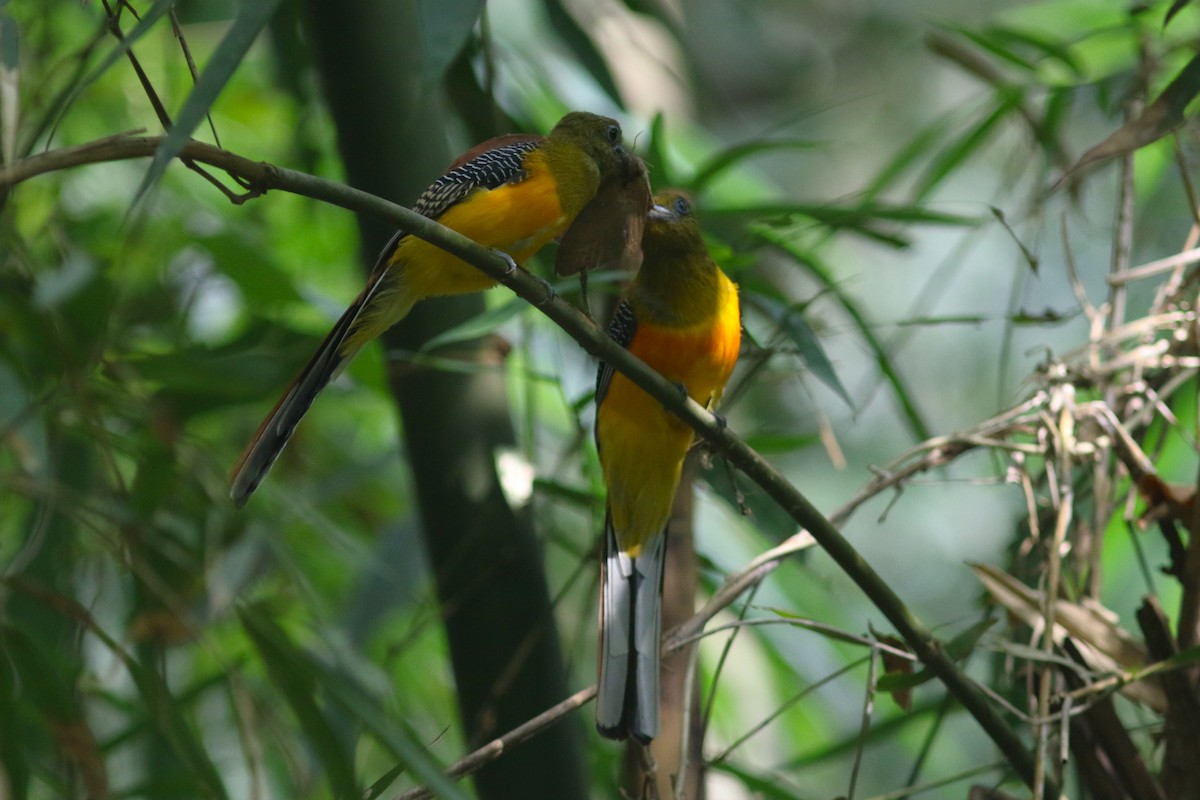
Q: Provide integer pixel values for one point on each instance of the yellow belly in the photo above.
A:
(642, 445)
(517, 218)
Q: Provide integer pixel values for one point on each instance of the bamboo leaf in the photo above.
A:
(46, 688)
(15, 732)
(656, 154)
(1175, 8)
(581, 45)
(863, 219)
(991, 43)
(952, 157)
(908, 157)
(730, 157)
(168, 717)
(864, 327)
(1160, 118)
(477, 326)
(791, 322)
(292, 673)
(446, 26)
(301, 674)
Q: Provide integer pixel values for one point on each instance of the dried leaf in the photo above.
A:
(607, 234)
(896, 665)
(1164, 501)
(1104, 645)
(1158, 119)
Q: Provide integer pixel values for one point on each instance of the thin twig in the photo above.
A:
(784, 706)
(1152, 268)
(496, 748)
(865, 726)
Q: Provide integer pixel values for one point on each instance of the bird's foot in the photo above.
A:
(510, 270)
(550, 293)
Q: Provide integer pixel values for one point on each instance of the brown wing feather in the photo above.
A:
(608, 231)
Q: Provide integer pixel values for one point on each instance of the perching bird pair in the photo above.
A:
(680, 315)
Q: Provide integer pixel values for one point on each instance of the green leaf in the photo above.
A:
(195, 379)
(953, 156)
(252, 17)
(747, 498)
(40, 680)
(445, 27)
(1161, 117)
(657, 161)
(397, 738)
(577, 39)
(292, 673)
(864, 327)
(791, 322)
(889, 729)
(301, 674)
(42, 684)
(167, 713)
(994, 44)
(767, 444)
(863, 219)
(731, 156)
(957, 648)
(1044, 46)
(963, 644)
(1175, 8)
(908, 157)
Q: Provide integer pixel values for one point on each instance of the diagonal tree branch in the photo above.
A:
(263, 177)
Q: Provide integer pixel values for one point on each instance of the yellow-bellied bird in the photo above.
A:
(680, 315)
(513, 193)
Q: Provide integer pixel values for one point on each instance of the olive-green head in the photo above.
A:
(582, 150)
(598, 137)
(672, 231)
(678, 283)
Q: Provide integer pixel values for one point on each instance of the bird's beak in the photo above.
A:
(660, 213)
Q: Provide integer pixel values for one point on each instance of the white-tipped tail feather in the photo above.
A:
(630, 630)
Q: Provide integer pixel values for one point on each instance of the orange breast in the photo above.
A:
(642, 445)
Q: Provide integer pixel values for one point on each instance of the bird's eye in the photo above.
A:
(614, 133)
(682, 207)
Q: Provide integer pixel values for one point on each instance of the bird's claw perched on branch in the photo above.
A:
(511, 268)
(550, 292)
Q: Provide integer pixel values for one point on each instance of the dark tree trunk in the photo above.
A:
(487, 562)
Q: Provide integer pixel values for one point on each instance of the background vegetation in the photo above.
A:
(951, 350)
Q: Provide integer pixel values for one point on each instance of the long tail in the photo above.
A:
(630, 629)
(273, 434)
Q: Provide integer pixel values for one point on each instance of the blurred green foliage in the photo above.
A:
(156, 643)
